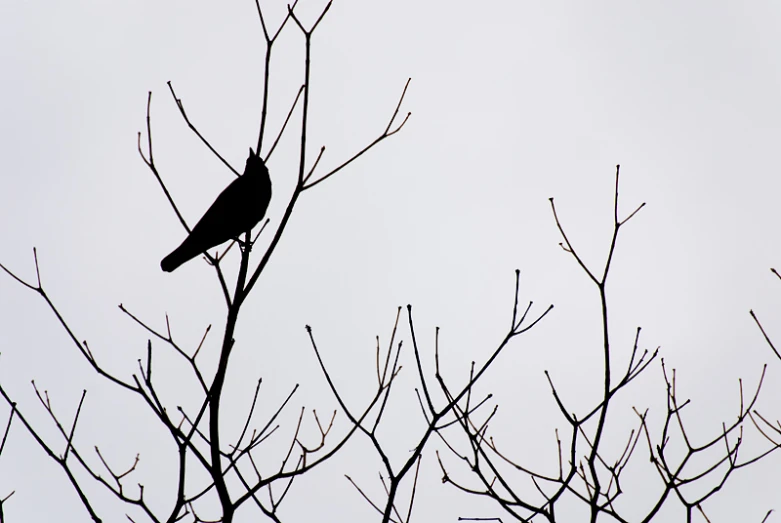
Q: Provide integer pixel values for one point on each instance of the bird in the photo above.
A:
(238, 208)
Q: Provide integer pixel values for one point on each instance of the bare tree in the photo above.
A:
(197, 435)
(235, 475)
(589, 470)
(220, 477)
(770, 430)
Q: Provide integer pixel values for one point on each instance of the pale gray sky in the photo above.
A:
(512, 103)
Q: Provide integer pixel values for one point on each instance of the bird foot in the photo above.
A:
(244, 246)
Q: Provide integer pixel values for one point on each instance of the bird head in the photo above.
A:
(255, 164)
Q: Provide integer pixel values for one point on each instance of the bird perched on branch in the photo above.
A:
(236, 210)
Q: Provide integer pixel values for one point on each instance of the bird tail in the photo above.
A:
(184, 253)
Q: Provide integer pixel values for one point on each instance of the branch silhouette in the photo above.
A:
(198, 435)
(585, 469)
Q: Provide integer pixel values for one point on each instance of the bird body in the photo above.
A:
(238, 208)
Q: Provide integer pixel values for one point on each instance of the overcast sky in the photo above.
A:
(512, 103)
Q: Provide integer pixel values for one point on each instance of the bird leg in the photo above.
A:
(244, 246)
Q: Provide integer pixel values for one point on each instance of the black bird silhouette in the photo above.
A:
(238, 208)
